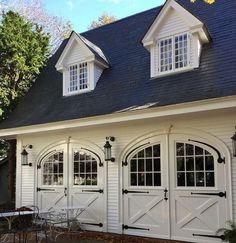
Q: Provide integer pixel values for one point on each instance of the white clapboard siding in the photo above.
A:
(113, 197)
(218, 125)
(77, 53)
(28, 185)
(173, 24)
(97, 73)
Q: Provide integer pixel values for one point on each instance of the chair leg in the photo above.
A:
(25, 237)
(46, 237)
(36, 237)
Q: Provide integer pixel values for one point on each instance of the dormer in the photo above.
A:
(175, 40)
(81, 64)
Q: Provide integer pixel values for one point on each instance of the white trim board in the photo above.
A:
(131, 115)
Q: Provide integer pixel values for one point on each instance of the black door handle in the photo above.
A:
(65, 191)
(165, 194)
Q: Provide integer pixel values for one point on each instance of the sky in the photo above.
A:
(82, 12)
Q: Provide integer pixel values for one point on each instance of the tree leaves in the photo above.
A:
(24, 49)
(104, 19)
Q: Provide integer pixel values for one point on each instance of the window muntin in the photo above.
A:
(145, 167)
(173, 53)
(85, 169)
(78, 77)
(194, 166)
(53, 169)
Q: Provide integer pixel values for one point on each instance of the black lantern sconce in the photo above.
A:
(24, 155)
(234, 143)
(107, 149)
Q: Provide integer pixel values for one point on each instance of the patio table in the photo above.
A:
(13, 215)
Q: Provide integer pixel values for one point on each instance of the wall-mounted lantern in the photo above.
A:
(107, 149)
(234, 143)
(24, 155)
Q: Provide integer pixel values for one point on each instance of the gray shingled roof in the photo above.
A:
(126, 83)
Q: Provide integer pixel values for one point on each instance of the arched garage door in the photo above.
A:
(71, 175)
(175, 188)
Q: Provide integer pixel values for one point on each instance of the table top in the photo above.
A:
(16, 213)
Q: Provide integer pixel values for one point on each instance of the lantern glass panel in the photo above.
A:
(24, 159)
(107, 154)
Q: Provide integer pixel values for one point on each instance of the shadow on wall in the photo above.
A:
(4, 193)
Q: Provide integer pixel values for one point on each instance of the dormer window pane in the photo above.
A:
(83, 76)
(181, 51)
(166, 55)
(73, 78)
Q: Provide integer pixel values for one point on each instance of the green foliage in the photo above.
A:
(228, 233)
(3, 149)
(23, 51)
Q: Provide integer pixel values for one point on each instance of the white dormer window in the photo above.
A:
(78, 77)
(81, 64)
(175, 40)
(173, 53)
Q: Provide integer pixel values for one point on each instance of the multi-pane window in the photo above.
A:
(195, 166)
(53, 170)
(73, 78)
(83, 76)
(85, 169)
(145, 167)
(173, 53)
(78, 77)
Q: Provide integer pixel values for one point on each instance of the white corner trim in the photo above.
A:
(131, 115)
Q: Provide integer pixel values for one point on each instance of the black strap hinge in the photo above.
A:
(125, 191)
(126, 227)
(219, 194)
(99, 190)
(99, 224)
(44, 189)
(222, 237)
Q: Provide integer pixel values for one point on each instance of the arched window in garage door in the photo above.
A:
(195, 166)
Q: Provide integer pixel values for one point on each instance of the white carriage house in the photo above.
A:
(134, 120)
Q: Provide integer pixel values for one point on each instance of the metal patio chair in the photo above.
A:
(32, 226)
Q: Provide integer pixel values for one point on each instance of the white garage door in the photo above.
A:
(71, 176)
(175, 188)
